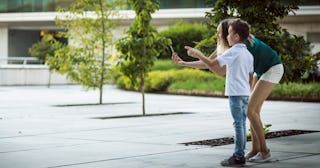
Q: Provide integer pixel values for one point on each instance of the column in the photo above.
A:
(4, 39)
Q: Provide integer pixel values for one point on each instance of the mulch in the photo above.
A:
(230, 140)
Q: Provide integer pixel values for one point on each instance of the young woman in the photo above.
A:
(268, 71)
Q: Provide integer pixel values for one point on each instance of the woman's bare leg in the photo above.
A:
(259, 94)
(254, 140)
(254, 137)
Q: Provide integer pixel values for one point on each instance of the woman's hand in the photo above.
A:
(176, 59)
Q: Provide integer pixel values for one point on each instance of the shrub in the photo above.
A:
(165, 64)
(161, 80)
(215, 86)
(301, 90)
(182, 34)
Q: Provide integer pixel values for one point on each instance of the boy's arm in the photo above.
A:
(211, 61)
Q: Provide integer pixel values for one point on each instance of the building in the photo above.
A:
(23, 22)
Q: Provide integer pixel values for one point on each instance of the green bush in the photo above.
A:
(215, 86)
(302, 90)
(161, 80)
(124, 82)
(165, 64)
(182, 34)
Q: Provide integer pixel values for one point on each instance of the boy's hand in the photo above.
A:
(192, 52)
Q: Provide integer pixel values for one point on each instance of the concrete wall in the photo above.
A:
(3, 44)
(29, 75)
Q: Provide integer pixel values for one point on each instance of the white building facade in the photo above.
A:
(23, 22)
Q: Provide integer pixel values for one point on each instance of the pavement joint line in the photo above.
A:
(34, 149)
(96, 142)
(122, 141)
(87, 130)
(73, 131)
(307, 153)
(121, 158)
(297, 157)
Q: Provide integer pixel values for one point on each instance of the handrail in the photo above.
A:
(20, 60)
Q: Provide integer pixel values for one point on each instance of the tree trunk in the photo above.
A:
(143, 98)
(142, 80)
(103, 52)
(49, 80)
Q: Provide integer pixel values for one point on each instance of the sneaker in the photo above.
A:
(234, 162)
(249, 155)
(258, 158)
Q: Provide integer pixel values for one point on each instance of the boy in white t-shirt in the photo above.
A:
(239, 66)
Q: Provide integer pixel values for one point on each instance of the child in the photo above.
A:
(239, 66)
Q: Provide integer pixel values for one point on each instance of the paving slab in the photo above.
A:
(58, 127)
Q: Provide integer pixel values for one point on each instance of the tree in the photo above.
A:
(45, 49)
(140, 48)
(263, 18)
(86, 59)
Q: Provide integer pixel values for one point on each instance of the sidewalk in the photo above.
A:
(46, 127)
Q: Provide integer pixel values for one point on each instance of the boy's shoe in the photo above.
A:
(234, 162)
(258, 158)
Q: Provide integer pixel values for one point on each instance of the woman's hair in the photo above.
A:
(250, 39)
(224, 28)
(222, 44)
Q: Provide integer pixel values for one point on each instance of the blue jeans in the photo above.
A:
(238, 107)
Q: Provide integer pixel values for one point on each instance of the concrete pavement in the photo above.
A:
(51, 127)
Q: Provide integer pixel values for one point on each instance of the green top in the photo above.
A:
(264, 56)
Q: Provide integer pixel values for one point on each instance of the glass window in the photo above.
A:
(8, 6)
(313, 37)
(167, 4)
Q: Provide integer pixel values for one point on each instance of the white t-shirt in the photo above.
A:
(239, 64)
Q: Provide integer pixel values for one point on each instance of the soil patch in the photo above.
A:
(229, 140)
(140, 115)
(92, 104)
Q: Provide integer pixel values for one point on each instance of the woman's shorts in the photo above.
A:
(274, 74)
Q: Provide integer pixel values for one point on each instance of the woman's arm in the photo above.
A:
(191, 64)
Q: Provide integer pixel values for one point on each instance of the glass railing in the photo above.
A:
(12, 6)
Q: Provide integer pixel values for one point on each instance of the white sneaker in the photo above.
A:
(248, 155)
(258, 158)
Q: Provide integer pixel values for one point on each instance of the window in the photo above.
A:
(313, 37)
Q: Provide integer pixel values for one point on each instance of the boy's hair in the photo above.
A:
(241, 27)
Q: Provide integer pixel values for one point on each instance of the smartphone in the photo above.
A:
(172, 50)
